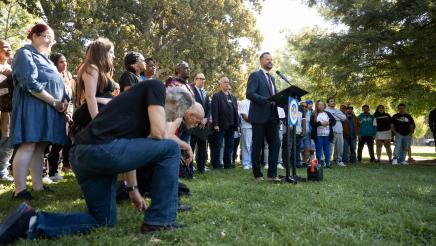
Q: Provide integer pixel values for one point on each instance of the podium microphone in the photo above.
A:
(283, 77)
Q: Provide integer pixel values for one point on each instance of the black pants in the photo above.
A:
(269, 132)
(369, 141)
(235, 149)
(225, 137)
(200, 152)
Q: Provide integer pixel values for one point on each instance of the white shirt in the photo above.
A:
(244, 108)
(339, 117)
(267, 79)
(322, 130)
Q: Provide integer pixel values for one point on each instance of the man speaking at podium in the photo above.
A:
(264, 117)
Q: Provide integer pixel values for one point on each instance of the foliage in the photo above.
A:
(205, 33)
(367, 204)
(14, 23)
(421, 126)
(387, 54)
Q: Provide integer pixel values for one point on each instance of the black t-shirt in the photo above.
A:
(125, 116)
(383, 122)
(402, 123)
(6, 100)
(127, 79)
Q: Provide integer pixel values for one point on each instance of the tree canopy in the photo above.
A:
(205, 33)
(386, 54)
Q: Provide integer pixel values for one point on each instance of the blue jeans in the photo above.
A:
(96, 168)
(246, 142)
(6, 151)
(226, 136)
(402, 144)
(349, 154)
(322, 143)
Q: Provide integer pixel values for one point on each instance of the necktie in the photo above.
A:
(270, 85)
(201, 95)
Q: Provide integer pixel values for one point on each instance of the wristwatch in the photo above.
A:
(53, 103)
(133, 188)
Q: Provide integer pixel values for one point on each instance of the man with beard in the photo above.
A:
(263, 116)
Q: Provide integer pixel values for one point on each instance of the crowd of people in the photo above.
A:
(148, 130)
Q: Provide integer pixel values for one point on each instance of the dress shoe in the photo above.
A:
(16, 224)
(145, 228)
(22, 195)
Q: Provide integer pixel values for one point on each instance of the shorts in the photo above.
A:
(307, 143)
(384, 135)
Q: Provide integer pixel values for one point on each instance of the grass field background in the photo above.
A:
(364, 204)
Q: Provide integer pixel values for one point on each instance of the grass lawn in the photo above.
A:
(367, 204)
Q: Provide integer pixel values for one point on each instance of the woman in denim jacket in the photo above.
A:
(39, 102)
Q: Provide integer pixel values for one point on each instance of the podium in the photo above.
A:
(282, 100)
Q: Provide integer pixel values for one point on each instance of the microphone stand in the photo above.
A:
(288, 178)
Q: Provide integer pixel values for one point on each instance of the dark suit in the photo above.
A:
(201, 153)
(225, 116)
(264, 120)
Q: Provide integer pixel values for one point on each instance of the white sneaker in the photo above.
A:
(404, 163)
(266, 166)
(56, 177)
(7, 178)
(246, 168)
(394, 162)
(46, 180)
(341, 164)
(279, 166)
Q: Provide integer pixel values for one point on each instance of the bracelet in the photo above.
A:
(133, 188)
(53, 103)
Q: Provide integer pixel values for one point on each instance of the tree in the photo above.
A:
(14, 23)
(205, 33)
(387, 54)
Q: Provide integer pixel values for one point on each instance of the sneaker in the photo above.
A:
(56, 177)
(265, 167)
(394, 162)
(279, 166)
(246, 168)
(7, 178)
(145, 228)
(404, 163)
(16, 224)
(47, 180)
(341, 164)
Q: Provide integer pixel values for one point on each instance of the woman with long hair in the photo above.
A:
(322, 123)
(53, 157)
(384, 135)
(38, 114)
(94, 79)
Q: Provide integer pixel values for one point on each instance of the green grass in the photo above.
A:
(428, 155)
(358, 205)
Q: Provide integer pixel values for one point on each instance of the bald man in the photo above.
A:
(198, 145)
(191, 118)
(225, 120)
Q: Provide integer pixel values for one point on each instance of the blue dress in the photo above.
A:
(34, 120)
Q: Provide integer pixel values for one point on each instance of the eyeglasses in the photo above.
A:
(49, 37)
